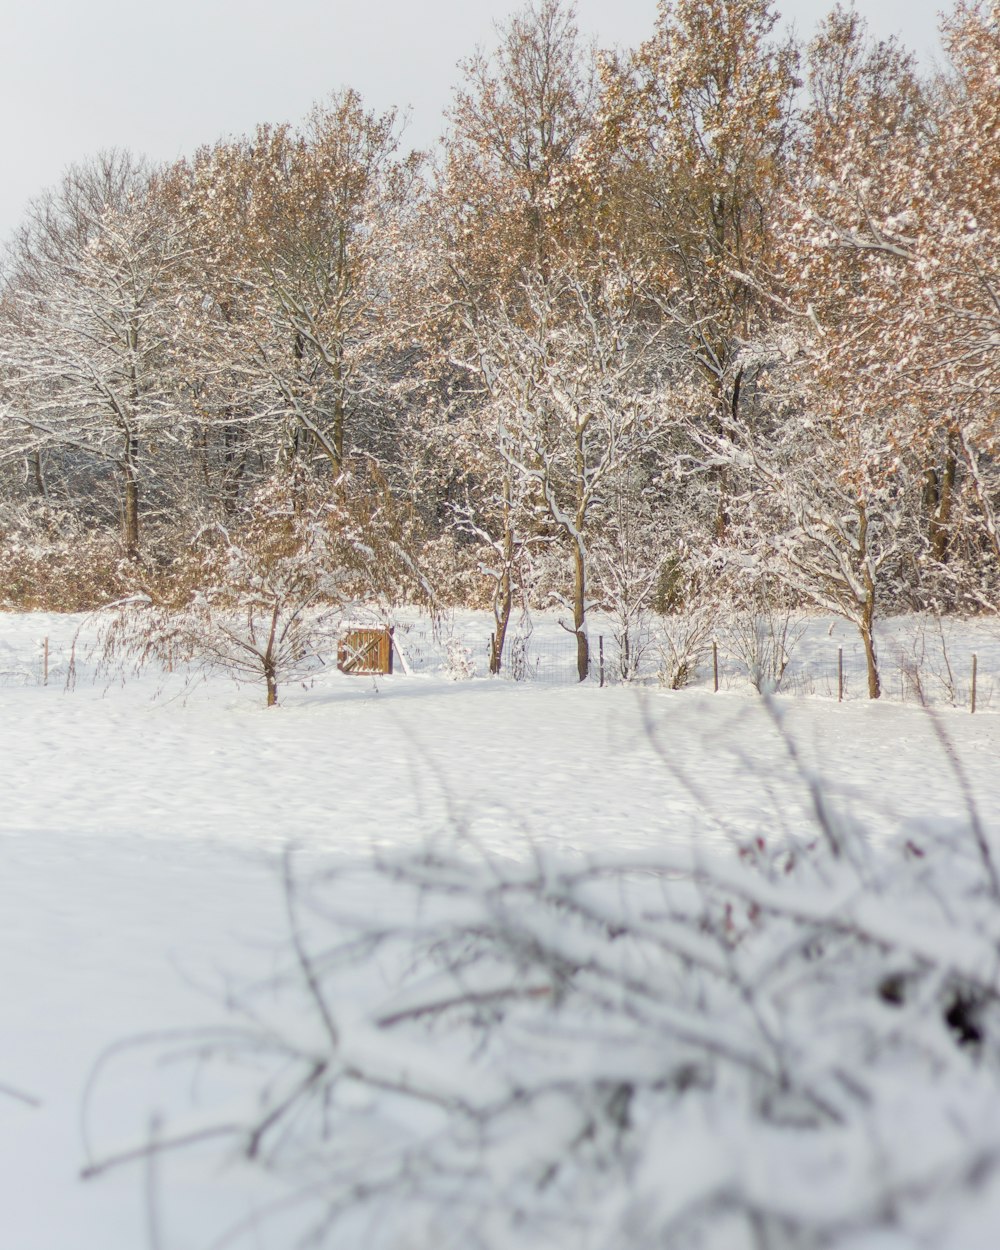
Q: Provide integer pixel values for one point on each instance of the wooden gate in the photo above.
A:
(365, 651)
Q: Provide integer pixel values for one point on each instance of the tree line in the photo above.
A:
(716, 319)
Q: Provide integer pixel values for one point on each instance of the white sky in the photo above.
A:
(79, 76)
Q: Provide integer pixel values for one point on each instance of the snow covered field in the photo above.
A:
(143, 844)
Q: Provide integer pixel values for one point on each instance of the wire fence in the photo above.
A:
(919, 661)
(909, 671)
(44, 663)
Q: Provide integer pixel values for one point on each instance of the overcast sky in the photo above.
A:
(80, 76)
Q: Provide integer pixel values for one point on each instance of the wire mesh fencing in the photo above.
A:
(42, 664)
(909, 670)
(921, 660)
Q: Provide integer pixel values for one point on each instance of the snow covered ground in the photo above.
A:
(144, 829)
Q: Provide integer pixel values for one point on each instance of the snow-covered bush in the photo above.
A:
(683, 641)
(761, 632)
(460, 663)
(689, 596)
(50, 562)
(262, 604)
(794, 1044)
(263, 598)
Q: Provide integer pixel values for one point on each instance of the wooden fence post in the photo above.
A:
(840, 674)
(715, 665)
(45, 663)
(600, 647)
(975, 665)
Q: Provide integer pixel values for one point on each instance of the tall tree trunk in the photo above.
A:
(234, 463)
(580, 610)
(871, 659)
(38, 473)
(339, 412)
(269, 661)
(131, 464)
(503, 596)
(867, 624)
(727, 405)
(580, 556)
(939, 494)
(130, 503)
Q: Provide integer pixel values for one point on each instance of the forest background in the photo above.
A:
(712, 325)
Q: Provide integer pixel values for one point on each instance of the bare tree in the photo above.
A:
(302, 237)
(688, 161)
(88, 332)
(263, 599)
(580, 375)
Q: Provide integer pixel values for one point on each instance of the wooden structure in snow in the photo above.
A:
(365, 650)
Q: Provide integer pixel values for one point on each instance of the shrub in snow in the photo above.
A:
(683, 642)
(690, 598)
(64, 569)
(460, 663)
(792, 1045)
(762, 631)
(263, 605)
(263, 599)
